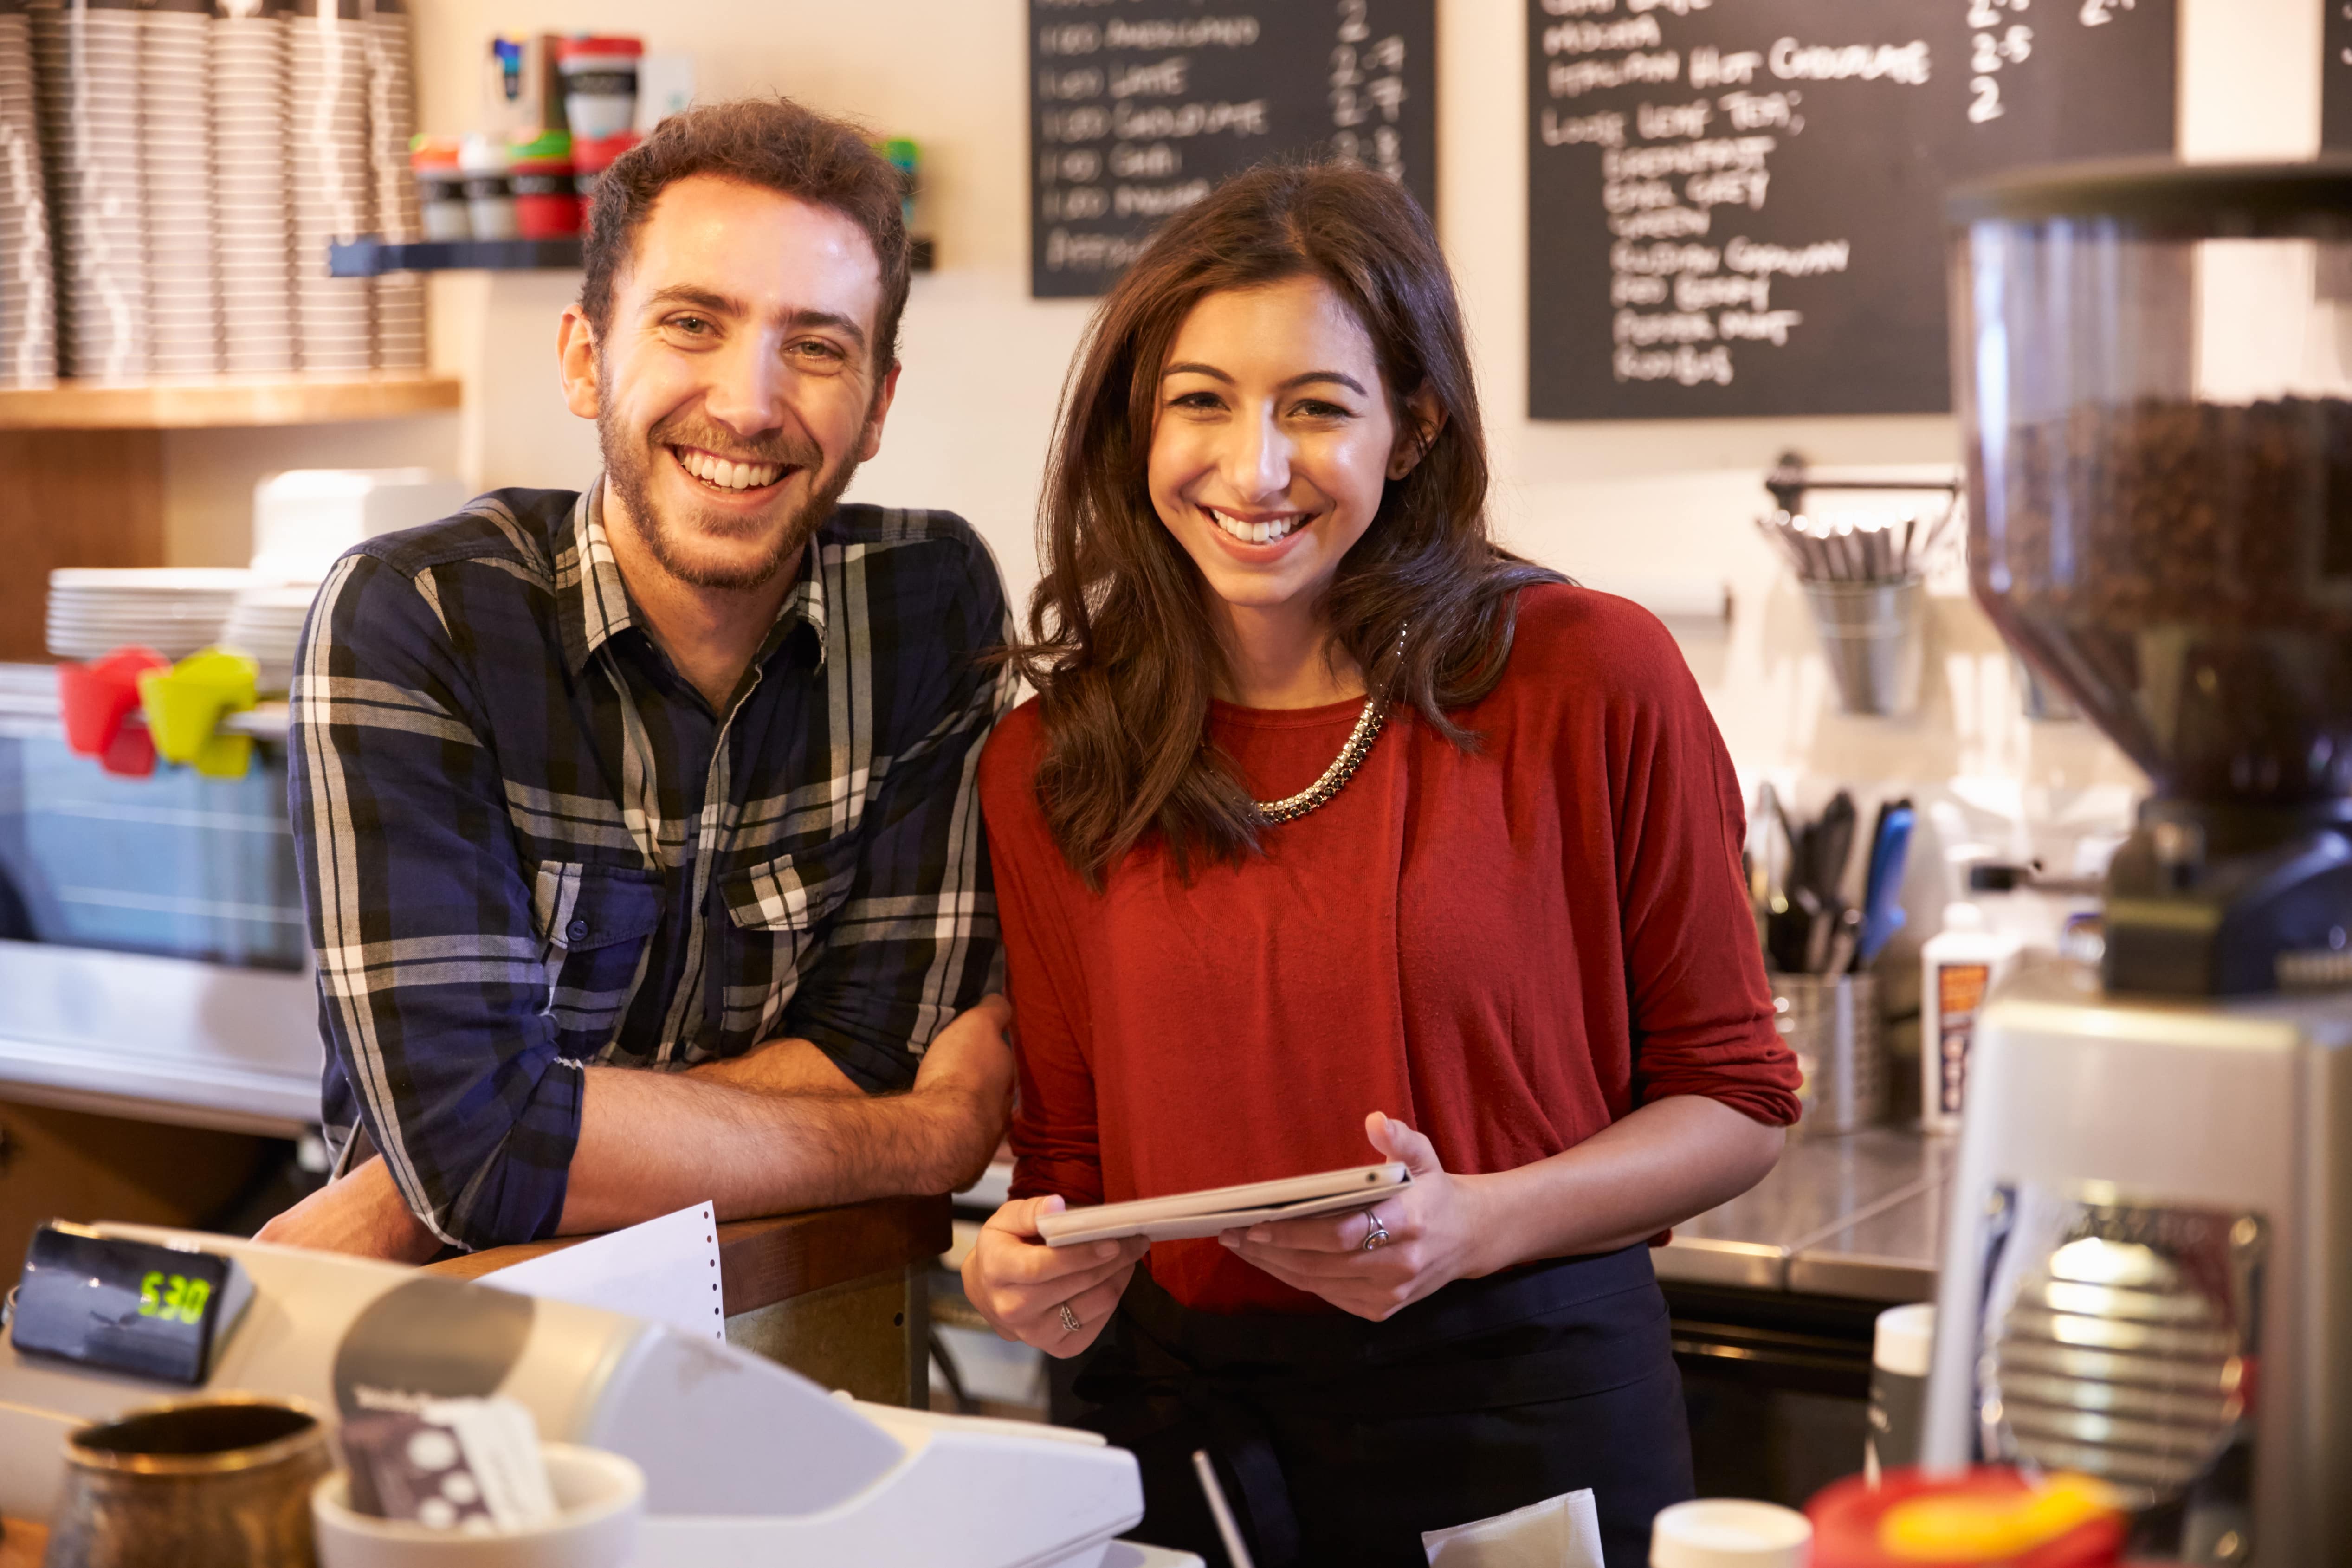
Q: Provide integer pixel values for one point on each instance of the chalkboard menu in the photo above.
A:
(1736, 206)
(2335, 79)
(1138, 108)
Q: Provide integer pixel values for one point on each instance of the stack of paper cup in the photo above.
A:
(86, 64)
(1729, 1533)
(333, 195)
(249, 187)
(392, 120)
(176, 70)
(29, 308)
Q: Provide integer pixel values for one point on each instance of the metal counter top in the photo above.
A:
(159, 1039)
(1859, 1216)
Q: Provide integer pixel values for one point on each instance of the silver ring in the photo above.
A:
(1070, 1323)
(1376, 1235)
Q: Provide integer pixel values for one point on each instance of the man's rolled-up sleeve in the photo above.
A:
(916, 941)
(434, 982)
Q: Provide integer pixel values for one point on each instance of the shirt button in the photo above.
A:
(577, 930)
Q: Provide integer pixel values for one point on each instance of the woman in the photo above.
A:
(1336, 834)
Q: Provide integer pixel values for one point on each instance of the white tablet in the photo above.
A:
(1183, 1216)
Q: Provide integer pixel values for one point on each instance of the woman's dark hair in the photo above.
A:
(1121, 648)
(768, 141)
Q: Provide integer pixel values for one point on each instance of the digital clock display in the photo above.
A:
(128, 1306)
(174, 1297)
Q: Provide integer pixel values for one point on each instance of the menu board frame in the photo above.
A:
(2336, 79)
(1138, 108)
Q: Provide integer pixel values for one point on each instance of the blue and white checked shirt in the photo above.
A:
(527, 843)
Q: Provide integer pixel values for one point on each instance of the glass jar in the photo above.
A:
(2154, 363)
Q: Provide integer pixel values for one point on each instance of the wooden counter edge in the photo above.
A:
(23, 1543)
(763, 1261)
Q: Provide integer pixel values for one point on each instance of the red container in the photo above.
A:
(547, 204)
(95, 700)
(1849, 1518)
(590, 159)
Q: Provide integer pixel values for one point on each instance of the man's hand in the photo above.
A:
(967, 1076)
(362, 1213)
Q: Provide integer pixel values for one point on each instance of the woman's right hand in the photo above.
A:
(1020, 1285)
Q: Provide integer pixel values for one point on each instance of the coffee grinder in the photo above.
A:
(2147, 1273)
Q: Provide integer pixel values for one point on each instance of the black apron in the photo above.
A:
(1337, 1440)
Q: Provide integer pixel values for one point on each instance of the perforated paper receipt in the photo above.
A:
(665, 1271)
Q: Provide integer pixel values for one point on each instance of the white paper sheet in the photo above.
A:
(1563, 1531)
(665, 1271)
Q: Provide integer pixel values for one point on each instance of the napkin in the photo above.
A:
(1563, 1531)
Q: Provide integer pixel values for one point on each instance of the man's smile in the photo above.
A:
(729, 475)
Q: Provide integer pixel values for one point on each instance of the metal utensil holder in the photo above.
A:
(1875, 635)
(1830, 1021)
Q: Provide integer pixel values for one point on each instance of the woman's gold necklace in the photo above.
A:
(1368, 725)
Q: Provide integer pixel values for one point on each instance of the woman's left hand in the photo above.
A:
(1434, 1229)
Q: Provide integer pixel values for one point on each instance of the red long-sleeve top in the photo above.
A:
(1508, 949)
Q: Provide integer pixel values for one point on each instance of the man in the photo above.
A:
(637, 825)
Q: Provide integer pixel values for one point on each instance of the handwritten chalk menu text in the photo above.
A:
(1139, 108)
(1736, 206)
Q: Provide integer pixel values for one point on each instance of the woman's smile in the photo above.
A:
(1257, 534)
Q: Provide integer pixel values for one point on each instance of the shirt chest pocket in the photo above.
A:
(788, 904)
(596, 923)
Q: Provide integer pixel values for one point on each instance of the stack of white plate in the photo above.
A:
(266, 625)
(176, 69)
(29, 307)
(176, 610)
(86, 66)
(333, 195)
(392, 120)
(249, 187)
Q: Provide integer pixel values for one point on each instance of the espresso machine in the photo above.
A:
(2147, 1267)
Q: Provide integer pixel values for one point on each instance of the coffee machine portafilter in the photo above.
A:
(2147, 1267)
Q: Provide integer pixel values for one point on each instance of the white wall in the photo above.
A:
(1609, 503)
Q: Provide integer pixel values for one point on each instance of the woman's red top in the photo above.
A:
(1508, 949)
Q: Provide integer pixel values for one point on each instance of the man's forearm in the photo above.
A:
(654, 1143)
(785, 1066)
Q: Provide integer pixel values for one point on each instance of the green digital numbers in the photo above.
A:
(174, 1297)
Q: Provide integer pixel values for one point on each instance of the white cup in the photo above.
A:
(599, 1497)
(1729, 1533)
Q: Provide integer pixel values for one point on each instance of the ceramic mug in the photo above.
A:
(599, 1497)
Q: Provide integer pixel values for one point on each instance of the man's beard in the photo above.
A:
(628, 471)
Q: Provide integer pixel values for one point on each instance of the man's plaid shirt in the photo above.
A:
(527, 843)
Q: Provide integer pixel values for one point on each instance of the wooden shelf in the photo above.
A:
(370, 257)
(198, 405)
(375, 257)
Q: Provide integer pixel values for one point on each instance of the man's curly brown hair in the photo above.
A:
(771, 142)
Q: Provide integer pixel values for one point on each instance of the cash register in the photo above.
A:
(745, 1461)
